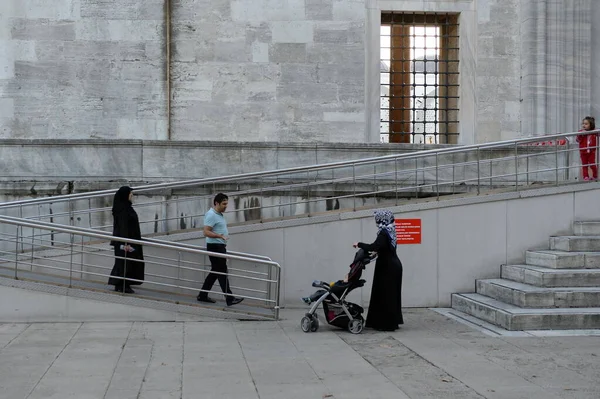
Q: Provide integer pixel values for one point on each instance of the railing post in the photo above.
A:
(262, 199)
(437, 179)
(276, 312)
(354, 186)
(269, 285)
(308, 191)
(17, 253)
(72, 240)
(491, 174)
(416, 177)
(556, 160)
(527, 165)
(124, 267)
(90, 213)
(478, 172)
(178, 267)
(32, 248)
(516, 167)
(396, 178)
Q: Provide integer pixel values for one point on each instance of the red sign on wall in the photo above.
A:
(408, 231)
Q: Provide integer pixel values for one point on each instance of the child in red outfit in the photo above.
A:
(587, 148)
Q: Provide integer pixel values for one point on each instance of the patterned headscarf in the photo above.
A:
(385, 221)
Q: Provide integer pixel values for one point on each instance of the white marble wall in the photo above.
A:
(280, 71)
(82, 69)
(557, 69)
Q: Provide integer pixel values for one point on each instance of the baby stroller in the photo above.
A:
(338, 312)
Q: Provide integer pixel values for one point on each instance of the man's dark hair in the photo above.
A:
(220, 198)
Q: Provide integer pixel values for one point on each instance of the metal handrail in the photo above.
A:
(316, 167)
(104, 236)
(179, 248)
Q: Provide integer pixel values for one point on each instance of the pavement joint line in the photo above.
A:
(54, 361)
(237, 338)
(118, 360)
(304, 357)
(16, 336)
(375, 367)
(149, 362)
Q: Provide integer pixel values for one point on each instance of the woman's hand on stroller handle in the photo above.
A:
(355, 245)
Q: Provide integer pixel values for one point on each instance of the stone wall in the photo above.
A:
(269, 70)
(82, 69)
(292, 71)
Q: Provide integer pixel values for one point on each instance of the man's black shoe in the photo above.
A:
(205, 299)
(235, 301)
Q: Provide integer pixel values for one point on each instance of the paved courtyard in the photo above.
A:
(430, 357)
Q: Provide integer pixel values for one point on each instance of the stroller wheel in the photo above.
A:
(314, 325)
(355, 326)
(306, 324)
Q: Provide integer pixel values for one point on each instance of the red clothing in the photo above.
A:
(587, 150)
(588, 159)
(587, 142)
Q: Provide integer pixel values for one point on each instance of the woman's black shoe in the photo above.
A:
(127, 290)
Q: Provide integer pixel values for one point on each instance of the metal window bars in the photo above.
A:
(419, 77)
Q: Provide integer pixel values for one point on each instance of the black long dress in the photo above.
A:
(126, 224)
(385, 311)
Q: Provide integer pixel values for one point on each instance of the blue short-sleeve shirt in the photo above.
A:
(218, 223)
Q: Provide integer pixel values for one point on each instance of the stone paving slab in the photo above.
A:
(431, 356)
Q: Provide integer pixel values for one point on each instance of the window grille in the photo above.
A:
(419, 78)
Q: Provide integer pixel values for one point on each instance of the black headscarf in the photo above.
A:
(121, 201)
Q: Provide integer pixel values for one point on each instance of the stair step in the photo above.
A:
(514, 318)
(529, 296)
(587, 228)
(546, 277)
(575, 243)
(563, 260)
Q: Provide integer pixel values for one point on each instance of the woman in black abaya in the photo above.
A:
(385, 312)
(129, 258)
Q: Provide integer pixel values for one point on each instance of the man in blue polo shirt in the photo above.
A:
(216, 233)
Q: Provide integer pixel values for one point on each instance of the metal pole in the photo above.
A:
(71, 261)
(276, 310)
(396, 178)
(262, 199)
(124, 267)
(491, 174)
(527, 165)
(478, 172)
(437, 179)
(269, 288)
(308, 191)
(416, 177)
(178, 267)
(556, 160)
(354, 186)
(32, 247)
(516, 167)
(17, 253)
(90, 213)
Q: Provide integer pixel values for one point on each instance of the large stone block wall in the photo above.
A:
(82, 69)
(269, 70)
(291, 71)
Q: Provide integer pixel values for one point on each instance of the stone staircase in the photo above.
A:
(556, 289)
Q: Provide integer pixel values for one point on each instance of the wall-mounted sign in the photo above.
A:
(408, 231)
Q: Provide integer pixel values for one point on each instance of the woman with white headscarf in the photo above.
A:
(385, 312)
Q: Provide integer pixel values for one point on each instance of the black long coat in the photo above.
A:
(385, 306)
(126, 224)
